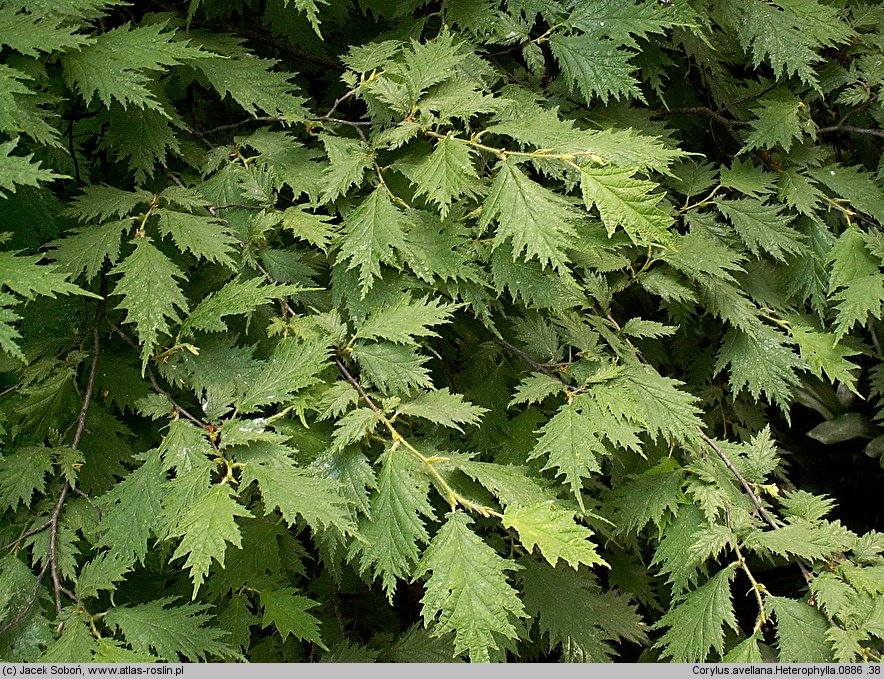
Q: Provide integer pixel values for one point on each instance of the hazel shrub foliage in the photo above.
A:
(431, 331)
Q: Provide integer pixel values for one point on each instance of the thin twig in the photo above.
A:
(851, 128)
(29, 603)
(73, 151)
(352, 380)
(9, 390)
(748, 488)
(247, 121)
(294, 52)
(743, 482)
(707, 112)
(754, 95)
(52, 556)
(340, 100)
(51, 563)
(28, 533)
(453, 497)
(153, 380)
(539, 367)
(90, 386)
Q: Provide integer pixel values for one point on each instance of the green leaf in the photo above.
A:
(856, 281)
(373, 231)
(746, 178)
(786, 34)
(364, 58)
(534, 389)
(35, 31)
(596, 68)
(510, 484)
(467, 591)
(571, 441)
(846, 643)
(354, 426)
(403, 318)
(855, 185)
(778, 121)
(538, 221)
(292, 490)
(761, 227)
(206, 237)
(528, 284)
(392, 368)
(238, 297)
(348, 159)
(293, 366)
(554, 531)
(417, 646)
(19, 170)
(287, 611)
(170, 629)
(314, 229)
(140, 138)
(86, 249)
(802, 539)
(822, 353)
(104, 572)
(206, 527)
(395, 528)
(801, 631)
(21, 473)
(664, 408)
(151, 296)
(253, 85)
(24, 276)
(75, 644)
(131, 509)
(309, 8)
(697, 623)
(621, 21)
(626, 203)
(650, 496)
(110, 651)
(746, 651)
(763, 363)
(443, 407)
(575, 615)
(101, 202)
(115, 66)
(445, 175)
(426, 64)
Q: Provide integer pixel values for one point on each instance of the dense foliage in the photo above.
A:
(416, 331)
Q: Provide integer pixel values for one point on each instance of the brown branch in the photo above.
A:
(247, 121)
(153, 380)
(28, 533)
(707, 112)
(90, 385)
(51, 563)
(850, 128)
(52, 555)
(755, 499)
(29, 603)
(539, 367)
(297, 54)
(743, 482)
(352, 380)
(754, 95)
(337, 359)
(9, 390)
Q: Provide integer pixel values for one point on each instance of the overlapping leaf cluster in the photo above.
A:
(412, 331)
